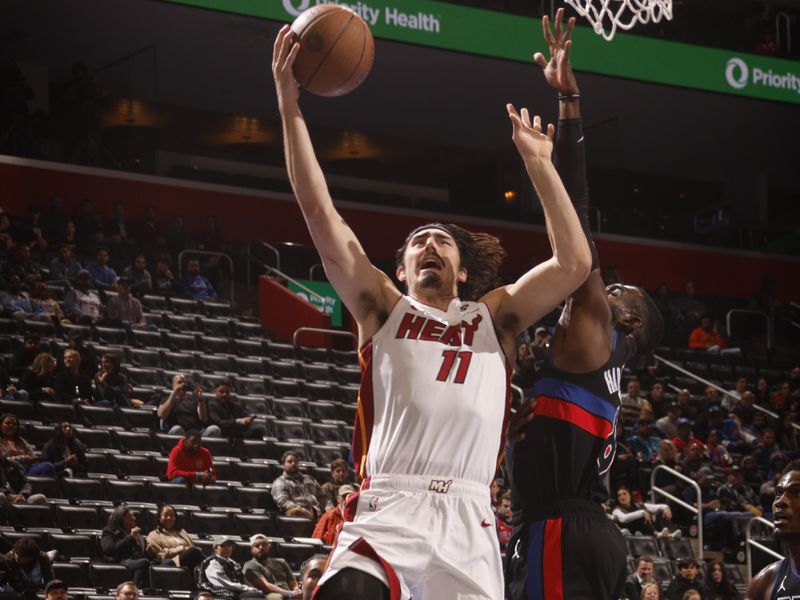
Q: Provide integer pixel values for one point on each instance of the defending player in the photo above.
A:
(434, 392)
(563, 545)
(781, 579)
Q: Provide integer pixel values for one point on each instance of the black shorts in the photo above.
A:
(579, 555)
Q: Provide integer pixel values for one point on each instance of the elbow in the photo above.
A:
(577, 267)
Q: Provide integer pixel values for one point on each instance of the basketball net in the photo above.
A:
(607, 15)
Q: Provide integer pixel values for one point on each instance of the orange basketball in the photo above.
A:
(336, 50)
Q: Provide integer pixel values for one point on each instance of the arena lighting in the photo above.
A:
(510, 196)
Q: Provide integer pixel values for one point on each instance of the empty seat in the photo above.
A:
(55, 412)
(662, 569)
(128, 491)
(249, 348)
(260, 472)
(348, 413)
(676, 549)
(315, 373)
(180, 361)
(214, 495)
(71, 545)
(244, 329)
(227, 470)
(140, 418)
(287, 430)
(181, 342)
(31, 515)
(348, 393)
(324, 455)
(99, 416)
(287, 407)
(182, 323)
(167, 441)
(216, 327)
(132, 464)
(216, 363)
(45, 485)
(94, 438)
(255, 498)
(155, 318)
(258, 449)
(111, 335)
(144, 376)
(282, 369)
(216, 308)
(72, 574)
(144, 338)
(252, 386)
(211, 523)
(345, 374)
(78, 517)
(154, 303)
(247, 524)
(185, 305)
(640, 545)
(294, 527)
(344, 357)
(169, 579)
(279, 350)
(212, 380)
(24, 411)
(83, 489)
(295, 553)
(218, 446)
(107, 576)
(97, 462)
(325, 432)
(313, 355)
(172, 493)
(248, 366)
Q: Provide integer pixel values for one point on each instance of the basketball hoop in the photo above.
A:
(607, 15)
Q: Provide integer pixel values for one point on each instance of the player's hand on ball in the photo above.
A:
(284, 53)
(558, 70)
(528, 137)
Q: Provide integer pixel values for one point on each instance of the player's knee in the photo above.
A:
(352, 584)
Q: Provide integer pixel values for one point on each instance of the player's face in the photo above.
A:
(786, 507)
(431, 263)
(311, 575)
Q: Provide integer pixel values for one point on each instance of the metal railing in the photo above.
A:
(313, 268)
(695, 510)
(208, 253)
(250, 257)
(758, 313)
(680, 369)
(749, 541)
(284, 276)
(783, 33)
(301, 330)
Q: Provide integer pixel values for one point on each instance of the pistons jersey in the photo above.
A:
(571, 439)
(434, 394)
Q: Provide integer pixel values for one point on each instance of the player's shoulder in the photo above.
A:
(761, 585)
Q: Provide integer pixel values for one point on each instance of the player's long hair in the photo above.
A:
(481, 255)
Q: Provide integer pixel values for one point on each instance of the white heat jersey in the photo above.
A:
(434, 394)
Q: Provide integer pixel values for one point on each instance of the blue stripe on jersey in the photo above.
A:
(571, 392)
(534, 582)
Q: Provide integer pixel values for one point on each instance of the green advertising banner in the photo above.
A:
(331, 304)
(500, 35)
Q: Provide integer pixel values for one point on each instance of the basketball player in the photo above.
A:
(781, 579)
(434, 394)
(563, 546)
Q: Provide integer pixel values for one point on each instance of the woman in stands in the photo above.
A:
(719, 586)
(650, 591)
(16, 449)
(41, 298)
(122, 542)
(66, 452)
(171, 544)
(111, 386)
(37, 380)
(640, 519)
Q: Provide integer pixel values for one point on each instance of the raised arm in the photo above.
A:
(538, 291)
(366, 291)
(583, 340)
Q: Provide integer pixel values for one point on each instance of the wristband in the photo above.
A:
(568, 97)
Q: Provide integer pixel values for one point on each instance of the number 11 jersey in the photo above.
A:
(434, 395)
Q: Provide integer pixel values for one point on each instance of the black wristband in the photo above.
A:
(568, 97)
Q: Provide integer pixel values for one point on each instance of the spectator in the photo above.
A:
(330, 522)
(181, 412)
(742, 385)
(657, 397)
(23, 266)
(127, 590)
(149, 233)
(164, 281)
(9, 391)
(195, 285)
(45, 305)
(116, 230)
(14, 485)
(190, 462)
(651, 591)
(310, 572)
(743, 408)
(503, 522)
(112, 386)
(668, 425)
(170, 543)
(752, 476)
(632, 402)
(139, 275)
(272, 576)
(717, 453)
(82, 303)
(667, 456)
(788, 438)
(694, 460)
(23, 358)
(26, 569)
(123, 309)
(340, 475)
(222, 576)
(38, 381)
(685, 580)
(64, 267)
(641, 519)
(122, 542)
(55, 590)
(30, 231)
(17, 303)
(296, 494)
(762, 393)
(231, 418)
(103, 276)
(636, 581)
(644, 443)
(685, 437)
(779, 401)
(17, 450)
(690, 307)
(684, 400)
(766, 447)
(68, 235)
(70, 384)
(717, 521)
(706, 337)
(719, 586)
(66, 452)
(89, 359)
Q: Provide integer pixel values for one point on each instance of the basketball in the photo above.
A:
(336, 50)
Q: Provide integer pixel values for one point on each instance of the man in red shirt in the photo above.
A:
(329, 523)
(190, 462)
(705, 337)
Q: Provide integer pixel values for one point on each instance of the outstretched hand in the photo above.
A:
(528, 137)
(283, 55)
(558, 70)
